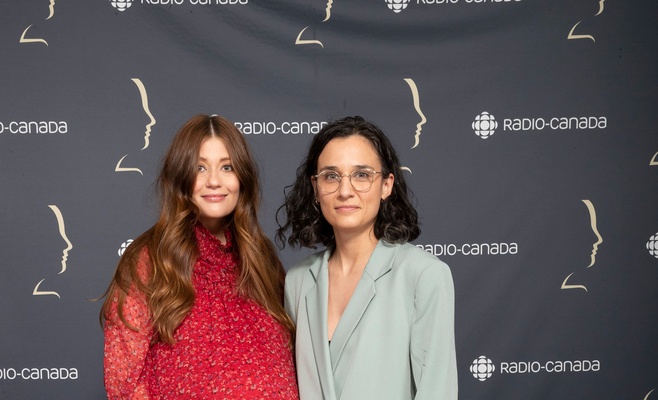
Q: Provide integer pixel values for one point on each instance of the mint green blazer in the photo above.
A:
(395, 340)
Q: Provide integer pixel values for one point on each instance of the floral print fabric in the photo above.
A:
(227, 347)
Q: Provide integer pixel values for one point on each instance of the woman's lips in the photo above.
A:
(214, 197)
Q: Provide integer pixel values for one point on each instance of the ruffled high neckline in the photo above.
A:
(210, 248)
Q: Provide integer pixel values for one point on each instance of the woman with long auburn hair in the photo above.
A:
(195, 306)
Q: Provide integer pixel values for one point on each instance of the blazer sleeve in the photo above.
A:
(290, 296)
(126, 349)
(434, 363)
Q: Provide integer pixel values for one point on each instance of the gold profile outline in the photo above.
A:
(595, 247)
(416, 100)
(51, 13)
(147, 131)
(654, 161)
(300, 41)
(573, 36)
(23, 39)
(65, 253)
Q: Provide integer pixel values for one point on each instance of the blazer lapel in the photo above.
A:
(380, 262)
(316, 312)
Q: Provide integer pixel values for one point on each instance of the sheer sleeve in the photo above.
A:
(126, 349)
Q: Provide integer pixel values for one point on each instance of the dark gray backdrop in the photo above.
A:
(543, 321)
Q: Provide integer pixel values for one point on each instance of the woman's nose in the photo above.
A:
(345, 186)
(214, 178)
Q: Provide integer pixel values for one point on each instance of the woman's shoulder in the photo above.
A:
(138, 259)
(306, 267)
(410, 250)
(418, 259)
(421, 270)
(136, 255)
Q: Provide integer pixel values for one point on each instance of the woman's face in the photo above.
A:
(347, 210)
(217, 188)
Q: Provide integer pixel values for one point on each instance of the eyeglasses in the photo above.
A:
(361, 180)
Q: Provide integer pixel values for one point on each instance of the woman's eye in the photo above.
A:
(227, 168)
(361, 174)
(331, 177)
(201, 168)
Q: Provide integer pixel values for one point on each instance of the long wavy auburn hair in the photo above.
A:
(171, 242)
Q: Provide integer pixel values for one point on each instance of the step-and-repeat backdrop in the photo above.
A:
(527, 130)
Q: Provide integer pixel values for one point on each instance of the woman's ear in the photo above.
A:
(387, 186)
(315, 189)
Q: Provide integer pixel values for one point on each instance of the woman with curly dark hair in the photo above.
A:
(374, 314)
(195, 307)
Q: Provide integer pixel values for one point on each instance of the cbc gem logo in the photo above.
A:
(124, 246)
(121, 5)
(652, 245)
(482, 368)
(397, 5)
(484, 125)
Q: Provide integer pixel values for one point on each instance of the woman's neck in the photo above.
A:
(352, 253)
(217, 228)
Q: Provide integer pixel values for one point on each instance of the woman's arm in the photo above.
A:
(434, 361)
(125, 348)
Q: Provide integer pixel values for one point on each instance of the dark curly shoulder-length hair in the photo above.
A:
(397, 220)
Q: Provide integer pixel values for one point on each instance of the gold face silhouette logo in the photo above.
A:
(595, 247)
(654, 160)
(419, 126)
(575, 36)
(300, 41)
(25, 39)
(65, 254)
(147, 132)
(416, 99)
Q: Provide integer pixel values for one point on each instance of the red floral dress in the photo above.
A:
(227, 347)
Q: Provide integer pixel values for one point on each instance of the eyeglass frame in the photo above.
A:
(341, 176)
